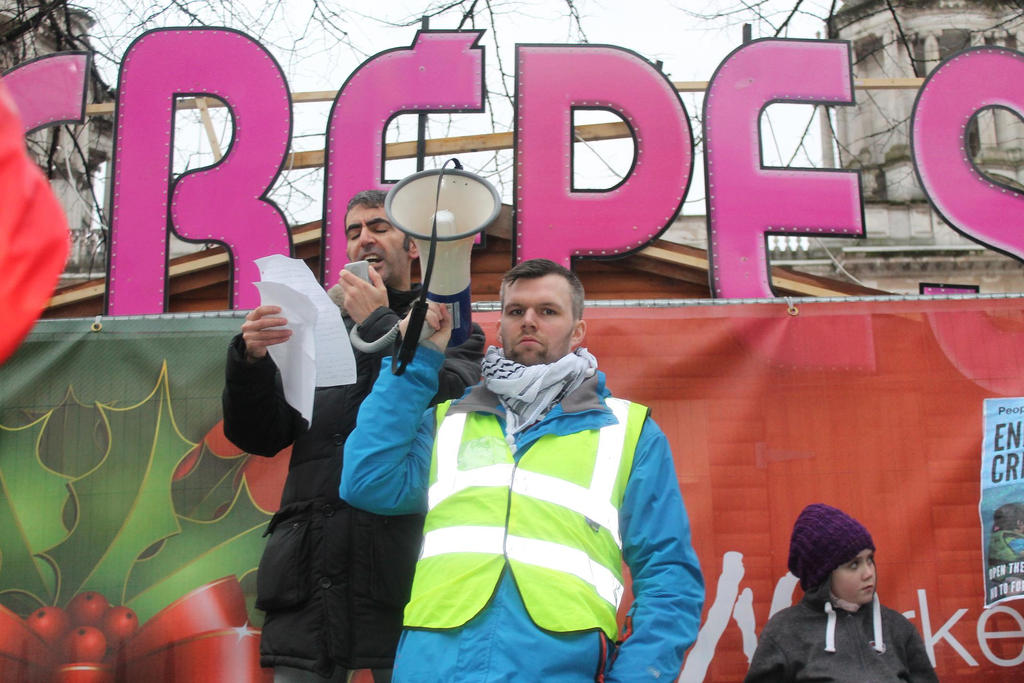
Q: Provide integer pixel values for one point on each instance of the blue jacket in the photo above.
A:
(386, 471)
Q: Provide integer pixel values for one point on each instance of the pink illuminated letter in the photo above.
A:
(954, 93)
(747, 201)
(442, 71)
(553, 220)
(50, 90)
(225, 202)
(975, 205)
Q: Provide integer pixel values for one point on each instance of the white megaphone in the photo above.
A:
(443, 210)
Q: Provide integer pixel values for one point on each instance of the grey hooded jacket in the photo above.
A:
(792, 646)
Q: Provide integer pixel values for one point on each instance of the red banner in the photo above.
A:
(873, 407)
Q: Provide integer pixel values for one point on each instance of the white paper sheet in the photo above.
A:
(295, 358)
(320, 353)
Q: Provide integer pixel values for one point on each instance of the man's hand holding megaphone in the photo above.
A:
(439, 319)
(361, 297)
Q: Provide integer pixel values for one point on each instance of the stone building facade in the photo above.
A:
(906, 241)
(70, 156)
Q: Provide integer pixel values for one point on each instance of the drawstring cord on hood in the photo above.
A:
(830, 628)
(876, 623)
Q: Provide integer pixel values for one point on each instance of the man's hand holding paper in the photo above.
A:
(313, 350)
(263, 327)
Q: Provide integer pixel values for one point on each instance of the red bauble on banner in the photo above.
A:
(23, 655)
(85, 644)
(119, 624)
(204, 635)
(87, 609)
(49, 623)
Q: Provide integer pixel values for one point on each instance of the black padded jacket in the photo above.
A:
(333, 579)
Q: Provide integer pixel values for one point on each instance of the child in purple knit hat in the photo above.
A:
(839, 631)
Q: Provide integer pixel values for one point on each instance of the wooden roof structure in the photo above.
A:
(662, 270)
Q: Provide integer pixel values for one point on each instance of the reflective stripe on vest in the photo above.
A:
(552, 519)
(492, 540)
(594, 503)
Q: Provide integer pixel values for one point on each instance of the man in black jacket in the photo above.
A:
(333, 579)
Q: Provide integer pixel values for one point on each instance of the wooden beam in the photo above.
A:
(466, 144)
(690, 264)
(690, 86)
(107, 108)
(802, 288)
(91, 290)
(211, 134)
(660, 253)
(796, 283)
(888, 83)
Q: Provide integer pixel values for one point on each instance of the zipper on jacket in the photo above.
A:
(602, 659)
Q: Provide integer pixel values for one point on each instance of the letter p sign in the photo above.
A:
(552, 220)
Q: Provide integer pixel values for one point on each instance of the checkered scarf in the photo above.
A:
(528, 392)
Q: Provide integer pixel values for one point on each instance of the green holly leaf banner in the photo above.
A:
(208, 485)
(124, 504)
(121, 493)
(32, 499)
(202, 552)
(76, 437)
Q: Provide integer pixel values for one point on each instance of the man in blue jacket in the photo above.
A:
(537, 484)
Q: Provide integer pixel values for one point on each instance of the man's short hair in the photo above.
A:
(371, 199)
(539, 267)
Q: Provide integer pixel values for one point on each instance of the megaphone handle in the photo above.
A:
(413, 331)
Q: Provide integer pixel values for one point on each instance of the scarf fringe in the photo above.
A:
(528, 392)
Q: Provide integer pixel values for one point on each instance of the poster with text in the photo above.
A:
(1002, 499)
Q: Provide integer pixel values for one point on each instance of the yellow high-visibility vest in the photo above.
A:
(553, 517)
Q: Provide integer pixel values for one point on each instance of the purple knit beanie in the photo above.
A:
(824, 538)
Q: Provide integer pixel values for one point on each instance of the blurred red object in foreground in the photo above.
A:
(34, 239)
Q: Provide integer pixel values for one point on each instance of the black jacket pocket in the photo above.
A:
(396, 546)
(282, 580)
